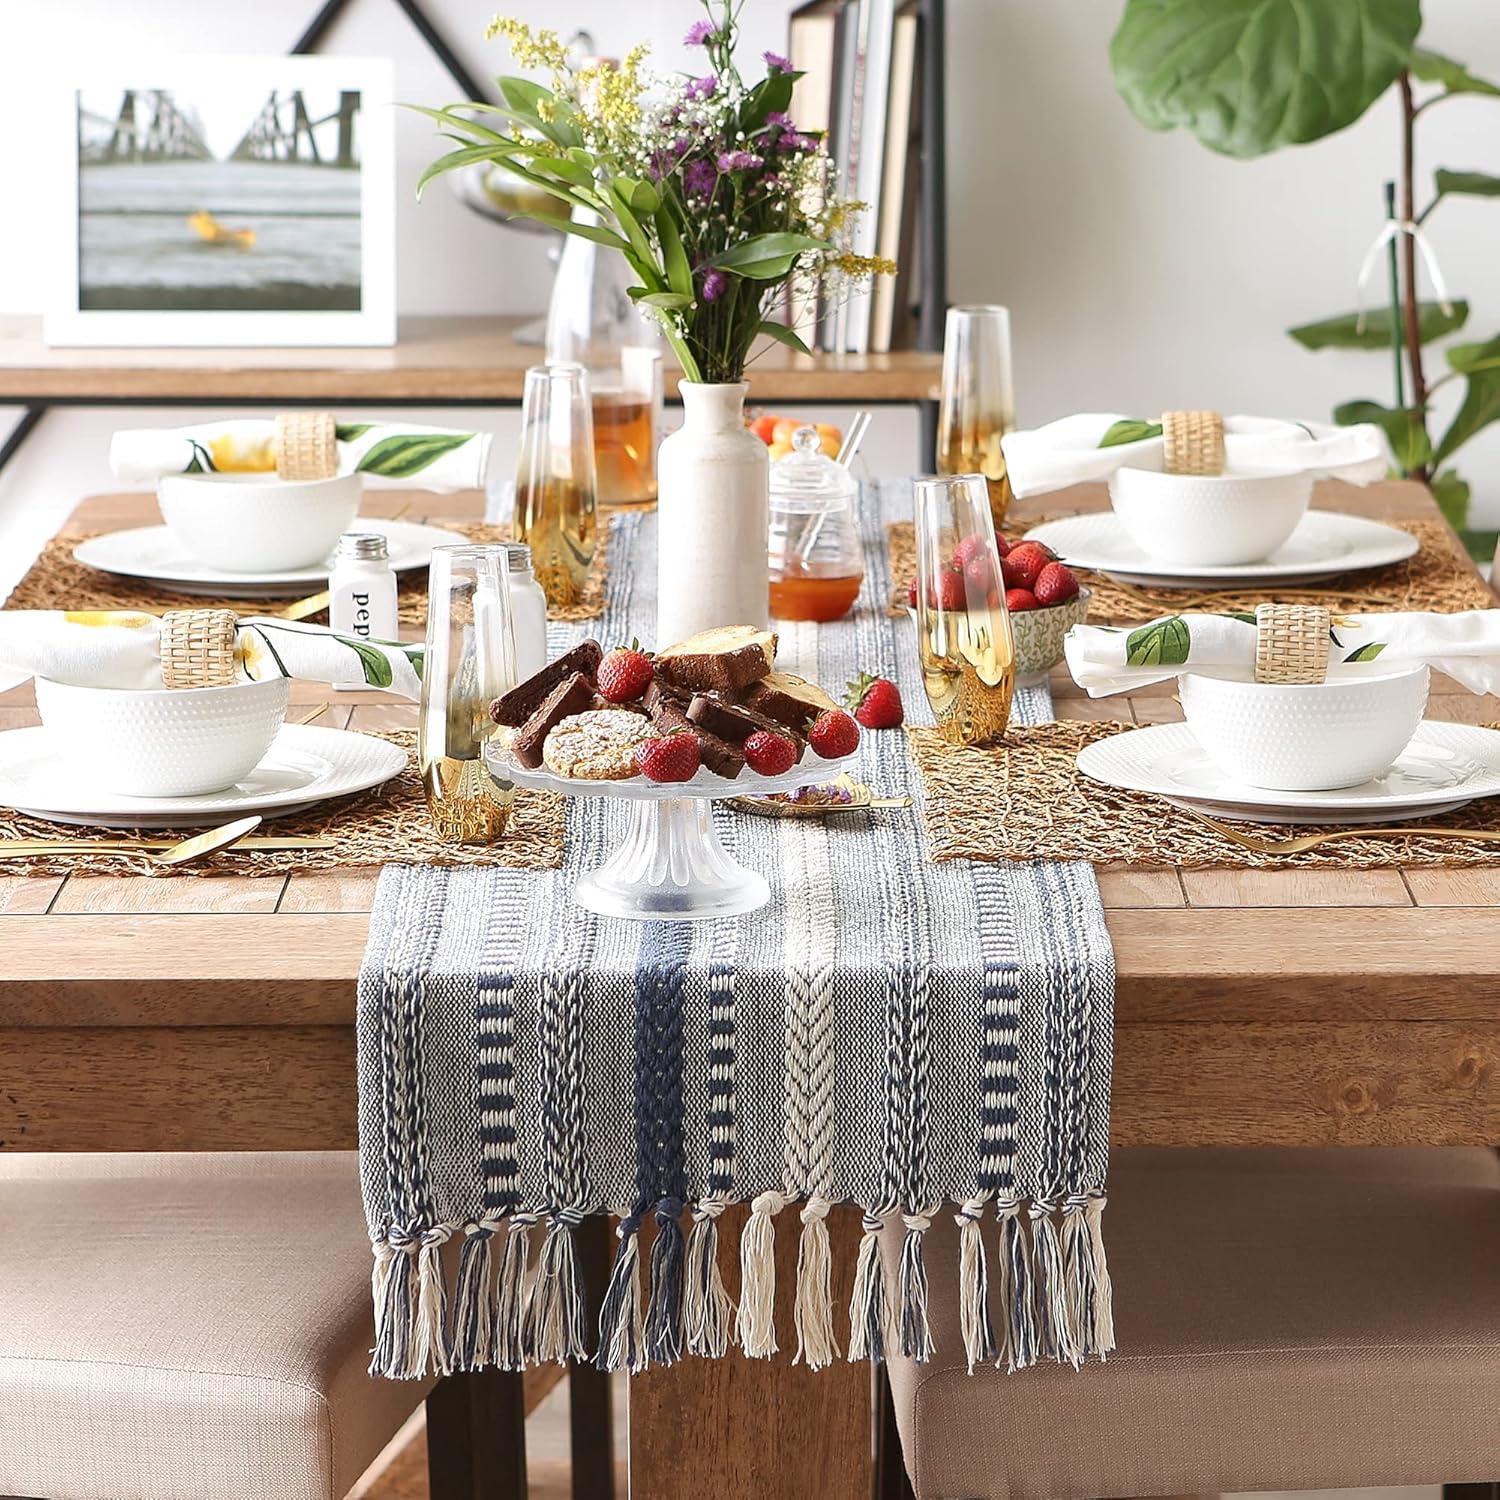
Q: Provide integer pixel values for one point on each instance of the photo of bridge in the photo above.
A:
(234, 198)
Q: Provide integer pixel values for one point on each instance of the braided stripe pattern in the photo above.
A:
(723, 1063)
(495, 1061)
(660, 1155)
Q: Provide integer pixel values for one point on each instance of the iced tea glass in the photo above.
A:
(977, 404)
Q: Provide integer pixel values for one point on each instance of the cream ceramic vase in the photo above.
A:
(713, 517)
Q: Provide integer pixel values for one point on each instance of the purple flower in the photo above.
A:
(698, 34)
(795, 141)
(778, 117)
(714, 283)
(702, 88)
(739, 161)
(776, 62)
(700, 177)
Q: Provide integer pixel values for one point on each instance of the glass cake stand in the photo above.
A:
(671, 866)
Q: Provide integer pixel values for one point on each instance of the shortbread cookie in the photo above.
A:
(596, 746)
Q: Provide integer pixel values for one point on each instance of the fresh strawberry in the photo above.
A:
(624, 674)
(950, 590)
(980, 572)
(1055, 584)
(770, 754)
(1003, 545)
(911, 591)
(834, 733)
(1024, 562)
(1017, 600)
(874, 701)
(968, 549)
(673, 757)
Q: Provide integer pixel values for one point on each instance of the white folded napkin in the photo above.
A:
(122, 649)
(1107, 659)
(1067, 451)
(434, 458)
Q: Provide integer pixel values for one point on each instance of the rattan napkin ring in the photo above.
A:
(1193, 442)
(1291, 642)
(198, 648)
(306, 445)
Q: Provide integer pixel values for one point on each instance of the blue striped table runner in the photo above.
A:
(906, 1037)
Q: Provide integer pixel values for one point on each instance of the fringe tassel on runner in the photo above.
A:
(974, 1320)
(867, 1304)
(706, 1308)
(1055, 1337)
(1104, 1292)
(817, 1343)
(554, 1317)
(1020, 1315)
(916, 1334)
(472, 1340)
(621, 1330)
(509, 1315)
(664, 1311)
(757, 1316)
(429, 1346)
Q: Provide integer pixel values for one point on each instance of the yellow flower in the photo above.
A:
(863, 265)
(541, 49)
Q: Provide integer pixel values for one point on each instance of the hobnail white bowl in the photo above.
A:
(1305, 737)
(1039, 636)
(1208, 520)
(257, 523)
(162, 743)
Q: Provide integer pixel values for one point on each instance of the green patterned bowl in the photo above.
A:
(1039, 636)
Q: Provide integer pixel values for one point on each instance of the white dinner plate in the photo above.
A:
(304, 765)
(153, 553)
(1445, 766)
(1325, 543)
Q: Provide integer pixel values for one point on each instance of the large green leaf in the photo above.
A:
(748, 256)
(542, 110)
(1470, 184)
(673, 257)
(783, 335)
(1248, 76)
(595, 232)
(1480, 363)
(373, 663)
(1433, 67)
(406, 454)
(1452, 496)
(1129, 430)
(346, 432)
(1404, 430)
(463, 157)
(1372, 330)
(1161, 643)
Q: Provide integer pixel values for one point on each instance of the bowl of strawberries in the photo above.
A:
(1044, 600)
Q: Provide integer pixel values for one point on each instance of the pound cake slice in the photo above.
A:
(724, 659)
(523, 700)
(574, 696)
(790, 700)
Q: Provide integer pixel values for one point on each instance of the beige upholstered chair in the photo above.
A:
(187, 1328)
(1286, 1320)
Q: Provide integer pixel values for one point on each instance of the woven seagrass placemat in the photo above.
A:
(57, 581)
(386, 825)
(1026, 799)
(1439, 576)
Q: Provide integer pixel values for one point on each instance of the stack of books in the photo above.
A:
(866, 67)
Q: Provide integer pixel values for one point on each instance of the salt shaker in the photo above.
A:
(362, 588)
(528, 612)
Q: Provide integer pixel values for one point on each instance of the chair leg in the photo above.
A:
(590, 1397)
(891, 1482)
(1471, 1492)
(476, 1437)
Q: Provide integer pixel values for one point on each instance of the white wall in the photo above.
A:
(1142, 270)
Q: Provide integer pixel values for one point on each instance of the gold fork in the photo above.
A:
(1306, 841)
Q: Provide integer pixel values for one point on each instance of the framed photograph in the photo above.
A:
(235, 201)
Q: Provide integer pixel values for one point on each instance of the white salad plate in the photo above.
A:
(153, 553)
(1445, 766)
(1324, 543)
(304, 765)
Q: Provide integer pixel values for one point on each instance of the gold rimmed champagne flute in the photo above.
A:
(470, 660)
(977, 405)
(964, 642)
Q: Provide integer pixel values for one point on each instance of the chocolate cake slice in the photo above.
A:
(731, 721)
(724, 659)
(517, 706)
(720, 756)
(571, 697)
(659, 692)
(790, 700)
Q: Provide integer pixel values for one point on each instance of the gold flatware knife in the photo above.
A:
(300, 609)
(1303, 842)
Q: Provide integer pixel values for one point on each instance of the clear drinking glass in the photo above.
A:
(470, 660)
(977, 406)
(556, 504)
(964, 642)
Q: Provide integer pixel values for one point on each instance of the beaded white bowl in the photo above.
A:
(162, 743)
(1039, 636)
(257, 523)
(1305, 736)
(1208, 520)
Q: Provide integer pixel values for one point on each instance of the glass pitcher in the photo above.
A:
(813, 553)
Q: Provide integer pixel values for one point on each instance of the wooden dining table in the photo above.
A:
(1253, 1007)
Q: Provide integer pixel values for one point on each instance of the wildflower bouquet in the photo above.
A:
(704, 185)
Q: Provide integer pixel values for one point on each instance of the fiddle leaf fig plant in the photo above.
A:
(1247, 78)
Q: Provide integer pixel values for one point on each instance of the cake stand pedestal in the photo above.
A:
(671, 865)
